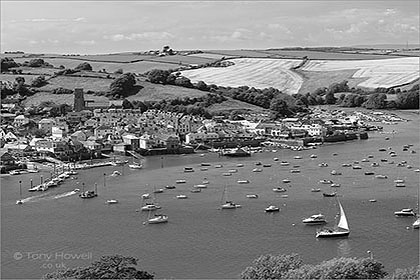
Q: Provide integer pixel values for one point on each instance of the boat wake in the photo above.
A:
(64, 195)
(46, 196)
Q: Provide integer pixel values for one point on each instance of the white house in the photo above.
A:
(46, 125)
(21, 120)
(200, 136)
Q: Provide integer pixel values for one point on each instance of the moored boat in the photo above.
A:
(279, 189)
(317, 219)
(341, 230)
(272, 208)
(406, 212)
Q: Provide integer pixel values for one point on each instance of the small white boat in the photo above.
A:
(346, 165)
(323, 164)
(297, 157)
(116, 173)
(315, 190)
(284, 163)
(204, 169)
(416, 223)
(150, 207)
(188, 169)
(370, 156)
(135, 166)
(286, 181)
(380, 176)
(205, 182)
(158, 219)
(227, 174)
(180, 181)
(181, 196)
(218, 166)
(230, 205)
(406, 212)
(276, 159)
(272, 208)
(335, 185)
(233, 170)
(295, 171)
(357, 167)
(158, 191)
(252, 196)
(374, 164)
(372, 200)
(257, 170)
(195, 190)
(335, 172)
(399, 181)
(325, 181)
(365, 160)
(112, 201)
(239, 165)
(266, 165)
(400, 185)
(279, 189)
(201, 186)
(145, 196)
(317, 219)
(243, 181)
(314, 156)
(170, 187)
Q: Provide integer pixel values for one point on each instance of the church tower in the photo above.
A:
(79, 100)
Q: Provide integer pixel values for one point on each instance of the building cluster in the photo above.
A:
(86, 133)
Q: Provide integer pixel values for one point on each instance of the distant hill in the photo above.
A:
(389, 46)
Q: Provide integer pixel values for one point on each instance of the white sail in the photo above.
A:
(343, 221)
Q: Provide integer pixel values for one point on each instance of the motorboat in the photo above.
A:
(239, 165)
(381, 176)
(276, 159)
(272, 208)
(20, 201)
(323, 164)
(233, 170)
(158, 191)
(399, 181)
(112, 201)
(335, 185)
(357, 167)
(286, 181)
(116, 173)
(201, 186)
(170, 187)
(150, 207)
(218, 166)
(266, 165)
(314, 156)
(400, 185)
(252, 196)
(369, 173)
(205, 182)
(297, 157)
(145, 196)
(205, 164)
(324, 181)
(335, 172)
(384, 159)
(284, 163)
(341, 230)
(329, 194)
(258, 163)
(370, 156)
(34, 188)
(294, 171)
(88, 194)
(181, 196)
(317, 219)
(372, 200)
(243, 182)
(204, 169)
(257, 170)
(315, 190)
(279, 189)
(230, 205)
(188, 169)
(406, 212)
(365, 160)
(158, 219)
(180, 181)
(416, 223)
(135, 166)
(195, 190)
(374, 164)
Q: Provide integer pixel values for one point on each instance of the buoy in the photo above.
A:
(293, 224)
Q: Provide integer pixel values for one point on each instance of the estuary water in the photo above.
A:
(57, 229)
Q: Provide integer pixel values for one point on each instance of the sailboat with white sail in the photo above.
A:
(341, 230)
(416, 223)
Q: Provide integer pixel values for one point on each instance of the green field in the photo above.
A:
(69, 82)
(12, 78)
(233, 105)
(40, 97)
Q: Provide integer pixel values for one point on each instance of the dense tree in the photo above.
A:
(36, 62)
(202, 86)
(7, 63)
(108, 267)
(158, 76)
(411, 273)
(39, 81)
(330, 98)
(84, 66)
(122, 86)
(271, 267)
(279, 105)
(292, 267)
(127, 104)
(183, 82)
(376, 101)
(408, 100)
(339, 87)
(61, 90)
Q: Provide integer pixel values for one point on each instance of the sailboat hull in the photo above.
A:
(334, 234)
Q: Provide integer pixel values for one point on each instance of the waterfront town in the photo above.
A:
(92, 131)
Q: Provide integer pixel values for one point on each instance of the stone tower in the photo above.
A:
(79, 100)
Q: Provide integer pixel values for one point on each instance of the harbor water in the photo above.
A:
(56, 229)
